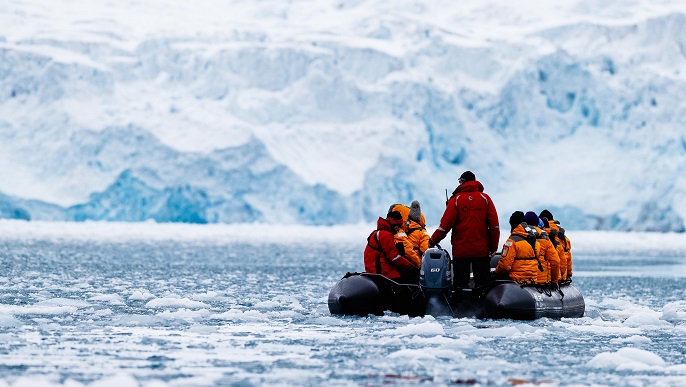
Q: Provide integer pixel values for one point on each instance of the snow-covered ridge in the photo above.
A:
(327, 112)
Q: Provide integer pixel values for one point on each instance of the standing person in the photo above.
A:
(381, 255)
(519, 258)
(472, 217)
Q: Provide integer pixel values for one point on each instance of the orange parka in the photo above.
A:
(549, 259)
(408, 249)
(402, 237)
(519, 259)
(418, 237)
(563, 248)
(567, 247)
(413, 235)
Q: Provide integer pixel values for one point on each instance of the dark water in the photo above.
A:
(240, 314)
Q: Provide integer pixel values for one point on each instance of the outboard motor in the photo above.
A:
(435, 279)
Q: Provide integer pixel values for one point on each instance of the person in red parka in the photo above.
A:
(471, 215)
(381, 255)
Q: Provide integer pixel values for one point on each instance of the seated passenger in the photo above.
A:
(566, 257)
(548, 255)
(381, 255)
(519, 257)
(551, 229)
(402, 242)
(416, 230)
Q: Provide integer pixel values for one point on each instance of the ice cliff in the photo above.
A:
(328, 112)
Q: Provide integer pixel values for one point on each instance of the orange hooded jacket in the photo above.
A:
(519, 260)
(413, 236)
(418, 237)
(549, 258)
(563, 248)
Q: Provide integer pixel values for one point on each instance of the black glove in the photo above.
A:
(400, 247)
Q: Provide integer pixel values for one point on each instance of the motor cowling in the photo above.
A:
(436, 271)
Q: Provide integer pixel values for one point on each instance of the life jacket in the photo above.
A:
(550, 257)
(381, 255)
(519, 258)
(567, 248)
(553, 232)
(531, 237)
(412, 243)
(418, 238)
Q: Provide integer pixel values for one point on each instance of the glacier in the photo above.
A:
(326, 113)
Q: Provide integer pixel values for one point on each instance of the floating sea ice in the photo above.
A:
(118, 380)
(645, 319)
(154, 383)
(616, 303)
(430, 328)
(44, 294)
(169, 302)
(674, 311)
(209, 296)
(414, 357)
(495, 332)
(636, 340)
(184, 314)
(63, 302)
(441, 374)
(26, 381)
(240, 316)
(103, 312)
(267, 305)
(137, 320)
(631, 359)
(599, 328)
(620, 309)
(28, 310)
(296, 306)
(329, 320)
(7, 320)
(141, 295)
(113, 299)
(202, 329)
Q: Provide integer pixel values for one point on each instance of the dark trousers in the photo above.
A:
(463, 266)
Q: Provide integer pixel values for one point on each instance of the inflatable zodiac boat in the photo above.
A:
(365, 293)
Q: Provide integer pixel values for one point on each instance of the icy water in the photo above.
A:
(186, 313)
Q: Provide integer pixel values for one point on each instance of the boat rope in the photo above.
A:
(562, 295)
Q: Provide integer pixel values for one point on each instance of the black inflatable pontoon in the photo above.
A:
(365, 293)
